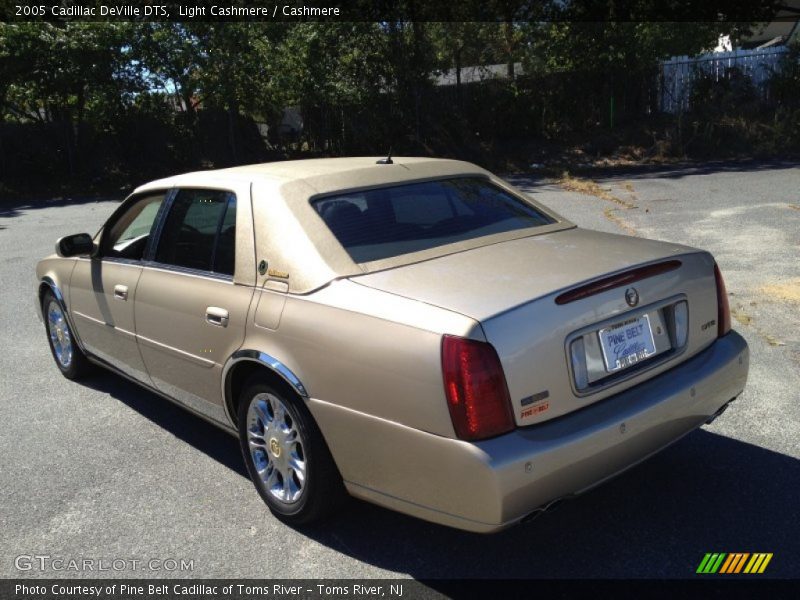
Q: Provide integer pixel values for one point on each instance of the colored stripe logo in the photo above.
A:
(734, 562)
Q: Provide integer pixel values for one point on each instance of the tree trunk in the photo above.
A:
(78, 128)
(232, 113)
(2, 150)
(194, 144)
(343, 140)
(457, 61)
(508, 30)
(416, 31)
(184, 93)
(66, 128)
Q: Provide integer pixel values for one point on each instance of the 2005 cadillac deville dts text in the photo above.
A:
(414, 332)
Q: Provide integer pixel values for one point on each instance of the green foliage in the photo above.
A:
(785, 83)
(730, 93)
(600, 46)
(117, 98)
(333, 63)
(54, 71)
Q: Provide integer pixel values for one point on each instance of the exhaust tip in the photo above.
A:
(555, 504)
(547, 507)
(530, 517)
(724, 407)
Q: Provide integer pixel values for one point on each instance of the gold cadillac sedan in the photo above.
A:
(413, 332)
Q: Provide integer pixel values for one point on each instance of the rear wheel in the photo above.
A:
(286, 455)
(72, 363)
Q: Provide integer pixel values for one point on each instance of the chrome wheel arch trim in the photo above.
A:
(272, 363)
(53, 287)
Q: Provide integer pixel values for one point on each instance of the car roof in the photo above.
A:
(323, 174)
(291, 236)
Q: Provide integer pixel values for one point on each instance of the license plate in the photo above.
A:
(624, 344)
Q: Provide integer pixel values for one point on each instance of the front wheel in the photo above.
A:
(286, 455)
(72, 363)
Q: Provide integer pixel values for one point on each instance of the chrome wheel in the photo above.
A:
(276, 447)
(59, 334)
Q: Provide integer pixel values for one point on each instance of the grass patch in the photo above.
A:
(788, 292)
(741, 316)
(773, 341)
(610, 214)
(590, 188)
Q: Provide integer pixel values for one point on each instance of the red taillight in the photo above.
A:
(476, 389)
(723, 308)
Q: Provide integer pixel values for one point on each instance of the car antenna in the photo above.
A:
(386, 161)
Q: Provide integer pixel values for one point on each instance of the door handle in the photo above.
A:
(121, 292)
(217, 316)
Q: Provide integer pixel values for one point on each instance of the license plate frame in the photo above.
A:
(623, 346)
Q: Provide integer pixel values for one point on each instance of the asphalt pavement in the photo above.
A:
(102, 469)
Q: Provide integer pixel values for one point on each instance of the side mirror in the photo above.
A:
(75, 245)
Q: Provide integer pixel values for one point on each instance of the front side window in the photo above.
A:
(129, 232)
(387, 222)
(200, 232)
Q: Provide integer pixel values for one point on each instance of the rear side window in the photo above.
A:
(200, 232)
(387, 222)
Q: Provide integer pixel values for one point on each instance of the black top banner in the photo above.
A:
(401, 10)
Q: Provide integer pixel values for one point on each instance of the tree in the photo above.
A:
(51, 72)
(169, 55)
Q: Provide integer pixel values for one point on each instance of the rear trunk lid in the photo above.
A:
(560, 356)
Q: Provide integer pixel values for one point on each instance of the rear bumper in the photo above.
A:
(490, 485)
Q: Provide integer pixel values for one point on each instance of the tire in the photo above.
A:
(69, 358)
(286, 456)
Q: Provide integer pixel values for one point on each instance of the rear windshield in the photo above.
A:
(387, 222)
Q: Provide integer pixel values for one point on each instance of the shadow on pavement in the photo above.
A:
(667, 170)
(193, 430)
(15, 207)
(10, 208)
(679, 170)
(706, 493)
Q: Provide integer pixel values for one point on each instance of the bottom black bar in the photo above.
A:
(369, 589)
